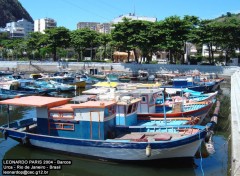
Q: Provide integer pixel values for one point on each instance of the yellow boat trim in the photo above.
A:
(148, 85)
(106, 84)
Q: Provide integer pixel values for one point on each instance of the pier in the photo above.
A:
(235, 122)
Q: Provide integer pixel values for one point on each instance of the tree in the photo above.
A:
(175, 33)
(34, 42)
(121, 34)
(229, 36)
(82, 39)
(57, 37)
(205, 35)
(104, 40)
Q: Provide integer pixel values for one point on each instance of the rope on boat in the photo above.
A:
(25, 140)
(208, 139)
(5, 134)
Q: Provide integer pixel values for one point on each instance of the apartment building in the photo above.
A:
(40, 25)
(19, 29)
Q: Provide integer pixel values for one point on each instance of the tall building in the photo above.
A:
(100, 27)
(19, 29)
(104, 28)
(90, 25)
(41, 25)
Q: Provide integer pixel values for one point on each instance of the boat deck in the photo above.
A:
(154, 136)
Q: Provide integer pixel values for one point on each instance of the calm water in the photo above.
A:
(203, 164)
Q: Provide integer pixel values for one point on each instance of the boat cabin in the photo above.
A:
(89, 120)
(55, 117)
(127, 110)
(148, 98)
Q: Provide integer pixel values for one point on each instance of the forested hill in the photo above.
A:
(227, 15)
(12, 10)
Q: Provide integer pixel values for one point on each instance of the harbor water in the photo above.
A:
(216, 164)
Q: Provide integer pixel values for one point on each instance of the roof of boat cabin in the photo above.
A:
(36, 101)
(83, 98)
(106, 84)
(146, 91)
(130, 102)
(94, 104)
(149, 86)
(62, 108)
(97, 90)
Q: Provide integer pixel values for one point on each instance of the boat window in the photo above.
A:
(129, 110)
(121, 109)
(134, 107)
(53, 115)
(111, 110)
(61, 126)
(144, 99)
(151, 100)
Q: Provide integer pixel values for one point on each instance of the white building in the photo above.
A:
(19, 29)
(132, 16)
(41, 25)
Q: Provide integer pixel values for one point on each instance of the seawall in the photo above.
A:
(35, 66)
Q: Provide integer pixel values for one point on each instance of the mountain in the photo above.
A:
(12, 10)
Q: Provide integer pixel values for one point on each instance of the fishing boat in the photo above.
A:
(150, 107)
(107, 130)
(32, 86)
(187, 95)
(142, 75)
(62, 87)
(6, 94)
(124, 78)
(69, 80)
(191, 83)
(94, 74)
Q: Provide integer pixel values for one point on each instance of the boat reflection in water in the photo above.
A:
(81, 166)
(215, 164)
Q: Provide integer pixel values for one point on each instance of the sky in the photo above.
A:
(68, 13)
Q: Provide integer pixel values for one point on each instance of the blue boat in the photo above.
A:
(6, 94)
(192, 84)
(106, 130)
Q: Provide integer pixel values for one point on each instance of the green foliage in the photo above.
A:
(142, 37)
(82, 39)
(153, 62)
(57, 37)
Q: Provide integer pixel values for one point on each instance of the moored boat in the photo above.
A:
(101, 130)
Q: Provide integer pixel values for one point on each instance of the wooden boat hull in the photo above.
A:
(119, 150)
(201, 112)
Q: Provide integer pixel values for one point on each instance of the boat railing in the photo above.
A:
(21, 123)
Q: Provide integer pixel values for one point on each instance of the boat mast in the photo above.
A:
(8, 115)
(164, 111)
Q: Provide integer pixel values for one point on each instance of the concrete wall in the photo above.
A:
(235, 122)
(36, 66)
